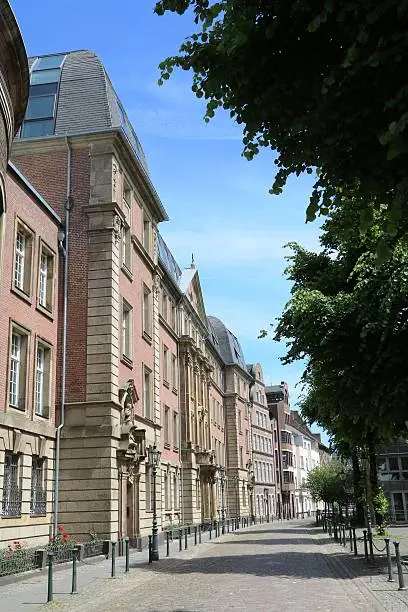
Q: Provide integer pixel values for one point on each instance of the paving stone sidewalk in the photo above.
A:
(262, 568)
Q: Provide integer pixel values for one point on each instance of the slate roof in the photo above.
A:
(87, 101)
(230, 348)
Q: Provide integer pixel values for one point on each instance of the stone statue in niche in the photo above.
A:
(128, 397)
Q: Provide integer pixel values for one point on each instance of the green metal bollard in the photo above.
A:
(150, 549)
(344, 534)
(74, 570)
(350, 538)
(199, 533)
(389, 560)
(401, 584)
(195, 535)
(365, 545)
(180, 540)
(210, 530)
(50, 594)
(126, 555)
(113, 559)
(185, 538)
(355, 542)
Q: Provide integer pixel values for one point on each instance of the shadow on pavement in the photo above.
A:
(284, 564)
(276, 542)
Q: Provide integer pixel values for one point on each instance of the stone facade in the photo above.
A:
(263, 448)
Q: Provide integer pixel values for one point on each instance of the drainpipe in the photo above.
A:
(64, 249)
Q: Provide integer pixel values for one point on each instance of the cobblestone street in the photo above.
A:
(268, 567)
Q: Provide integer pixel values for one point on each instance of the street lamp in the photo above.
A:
(222, 479)
(154, 461)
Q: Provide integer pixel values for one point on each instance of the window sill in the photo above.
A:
(147, 337)
(45, 311)
(174, 390)
(21, 294)
(38, 515)
(127, 361)
(176, 449)
(45, 417)
(166, 384)
(17, 408)
(127, 272)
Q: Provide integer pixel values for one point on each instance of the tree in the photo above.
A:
(322, 83)
(348, 317)
(331, 483)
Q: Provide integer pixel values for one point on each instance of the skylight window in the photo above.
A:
(42, 102)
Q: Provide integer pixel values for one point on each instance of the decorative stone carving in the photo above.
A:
(117, 228)
(115, 171)
(128, 397)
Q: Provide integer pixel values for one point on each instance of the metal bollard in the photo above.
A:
(401, 584)
(74, 570)
(126, 555)
(370, 545)
(180, 541)
(50, 594)
(195, 535)
(339, 533)
(335, 532)
(210, 530)
(113, 560)
(355, 542)
(150, 549)
(168, 544)
(365, 544)
(389, 560)
(350, 538)
(185, 538)
(199, 534)
(344, 534)
(330, 527)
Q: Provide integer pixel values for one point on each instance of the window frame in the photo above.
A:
(15, 483)
(45, 250)
(38, 507)
(147, 313)
(22, 382)
(126, 333)
(29, 235)
(47, 378)
(149, 415)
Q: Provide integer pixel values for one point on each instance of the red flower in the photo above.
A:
(65, 537)
(52, 538)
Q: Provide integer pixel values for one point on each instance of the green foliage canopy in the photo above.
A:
(348, 316)
(331, 482)
(322, 83)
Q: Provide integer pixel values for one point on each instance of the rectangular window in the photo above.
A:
(149, 488)
(46, 280)
(23, 259)
(165, 364)
(38, 502)
(166, 491)
(174, 371)
(164, 306)
(18, 369)
(166, 425)
(146, 233)
(42, 380)
(126, 330)
(11, 505)
(175, 430)
(239, 421)
(147, 311)
(173, 315)
(147, 394)
(175, 493)
(127, 234)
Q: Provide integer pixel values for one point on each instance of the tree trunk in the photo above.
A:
(358, 498)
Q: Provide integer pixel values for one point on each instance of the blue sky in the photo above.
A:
(218, 202)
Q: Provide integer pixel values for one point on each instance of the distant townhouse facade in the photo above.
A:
(393, 478)
(263, 447)
(279, 409)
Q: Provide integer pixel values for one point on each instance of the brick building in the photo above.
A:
(29, 263)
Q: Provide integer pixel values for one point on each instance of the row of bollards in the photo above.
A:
(217, 527)
(338, 530)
